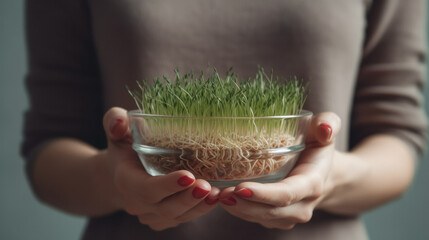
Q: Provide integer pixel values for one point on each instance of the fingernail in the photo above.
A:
(244, 192)
(185, 181)
(327, 130)
(229, 201)
(211, 201)
(114, 127)
(199, 193)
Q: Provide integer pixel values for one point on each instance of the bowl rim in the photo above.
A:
(138, 113)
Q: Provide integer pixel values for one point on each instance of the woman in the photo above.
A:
(365, 64)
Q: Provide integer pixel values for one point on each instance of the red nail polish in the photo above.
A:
(229, 201)
(115, 125)
(327, 130)
(199, 193)
(211, 201)
(185, 181)
(244, 192)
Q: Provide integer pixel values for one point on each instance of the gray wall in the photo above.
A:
(22, 217)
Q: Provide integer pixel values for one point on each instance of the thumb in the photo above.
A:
(116, 124)
(324, 127)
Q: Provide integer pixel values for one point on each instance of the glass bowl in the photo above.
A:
(222, 150)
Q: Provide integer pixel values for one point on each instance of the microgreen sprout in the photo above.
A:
(214, 96)
(220, 125)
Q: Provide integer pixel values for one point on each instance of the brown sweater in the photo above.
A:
(364, 60)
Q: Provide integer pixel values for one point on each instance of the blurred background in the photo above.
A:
(23, 217)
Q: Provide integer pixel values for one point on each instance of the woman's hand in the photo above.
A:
(160, 202)
(292, 200)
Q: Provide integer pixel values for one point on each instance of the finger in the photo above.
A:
(246, 210)
(116, 124)
(148, 218)
(157, 188)
(163, 225)
(285, 218)
(283, 225)
(323, 129)
(305, 181)
(315, 161)
(152, 189)
(267, 215)
(177, 204)
(156, 222)
(202, 208)
(281, 194)
(226, 196)
(213, 196)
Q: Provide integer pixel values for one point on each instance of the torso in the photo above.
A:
(319, 41)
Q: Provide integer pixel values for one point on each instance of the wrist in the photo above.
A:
(376, 171)
(346, 171)
(102, 170)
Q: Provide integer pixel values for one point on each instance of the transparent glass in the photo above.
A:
(223, 150)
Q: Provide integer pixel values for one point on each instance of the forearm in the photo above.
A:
(74, 177)
(376, 171)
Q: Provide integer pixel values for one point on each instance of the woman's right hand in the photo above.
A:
(161, 201)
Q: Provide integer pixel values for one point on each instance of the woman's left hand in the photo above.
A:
(292, 200)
